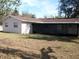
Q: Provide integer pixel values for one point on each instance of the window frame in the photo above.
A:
(6, 24)
(15, 25)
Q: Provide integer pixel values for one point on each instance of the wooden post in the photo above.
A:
(77, 29)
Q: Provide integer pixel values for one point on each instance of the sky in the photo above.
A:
(39, 8)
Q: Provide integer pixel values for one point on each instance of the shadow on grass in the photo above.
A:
(45, 53)
(24, 55)
(21, 54)
(53, 37)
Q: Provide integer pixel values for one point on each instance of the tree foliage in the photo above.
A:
(28, 15)
(15, 12)
(70, 8)
(7, 5)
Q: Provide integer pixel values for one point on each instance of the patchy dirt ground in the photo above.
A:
(62, 49)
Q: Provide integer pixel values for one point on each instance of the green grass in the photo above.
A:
(52, 37)
(15, 36)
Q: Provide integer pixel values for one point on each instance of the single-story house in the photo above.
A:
(23, 25)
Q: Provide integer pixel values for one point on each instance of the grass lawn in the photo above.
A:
(17, 46)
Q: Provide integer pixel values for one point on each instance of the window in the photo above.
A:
(6, 24)
(0, 23)
(15, 24)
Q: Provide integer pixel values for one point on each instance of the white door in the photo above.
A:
(26, 28)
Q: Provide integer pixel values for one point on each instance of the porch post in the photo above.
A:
(77, 29)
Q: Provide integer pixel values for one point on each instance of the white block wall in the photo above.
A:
(10, 28)
(1, 28)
